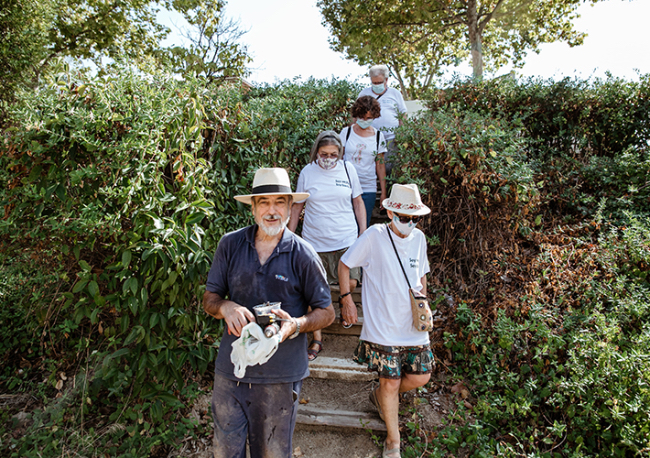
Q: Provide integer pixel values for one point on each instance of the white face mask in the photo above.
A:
(403, 228)
(364, 124)
(378, 88)
(327, 163)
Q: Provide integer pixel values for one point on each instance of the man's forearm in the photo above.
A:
(317, 319)
(212, 304)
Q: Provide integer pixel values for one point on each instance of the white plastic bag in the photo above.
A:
(252, 347)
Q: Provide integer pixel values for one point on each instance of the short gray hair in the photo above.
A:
(377, 70)
(325, 138)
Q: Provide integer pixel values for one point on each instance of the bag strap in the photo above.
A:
(378, 134)
(398, 259)
(347, 136)
(345, 166)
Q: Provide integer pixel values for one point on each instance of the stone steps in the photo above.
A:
(339, 419)
(341, 404)
(332, 368)
(335, 396)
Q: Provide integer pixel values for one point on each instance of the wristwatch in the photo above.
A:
(343, 295)
(295, 334)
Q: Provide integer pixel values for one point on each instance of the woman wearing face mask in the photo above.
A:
(365, 148)
(394, 259)
(334, 212)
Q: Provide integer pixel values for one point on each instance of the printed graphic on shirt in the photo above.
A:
(281, 277)
(415, 263)
(343, 183)
(358, 152)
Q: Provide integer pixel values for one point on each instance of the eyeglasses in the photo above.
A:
(404, 219)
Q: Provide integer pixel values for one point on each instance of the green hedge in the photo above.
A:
(120, 187)
(565, 371)
(589, 139)
(475, 175)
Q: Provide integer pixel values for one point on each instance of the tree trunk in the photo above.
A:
(475, 40)
(405, 92)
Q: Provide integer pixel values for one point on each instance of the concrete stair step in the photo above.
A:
(322, 441)
(345, 369)
(318, 416)
(338, 403)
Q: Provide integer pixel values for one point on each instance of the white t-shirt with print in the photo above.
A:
(362, 152)
(387, 317)
(391, 103)
(329, 223)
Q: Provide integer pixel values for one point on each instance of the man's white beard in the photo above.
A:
(274, 230)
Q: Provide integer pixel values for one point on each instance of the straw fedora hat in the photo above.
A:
(271, 182)
(405, 199)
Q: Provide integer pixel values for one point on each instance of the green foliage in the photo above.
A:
(575, 131)
(119, 188)
(476, 177)
(287, 117)
(416, 38)
(89, 28)
(22, 352)
(36, 33)
(111, 190)
(22, 44)
(370, 33)
(565, 372)
(214, 52)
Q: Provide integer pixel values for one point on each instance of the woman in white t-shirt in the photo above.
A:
(334, 212)
(394, 260)
(365, 148)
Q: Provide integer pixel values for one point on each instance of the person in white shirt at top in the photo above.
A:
(365, 148)
(392, 103)
(389, 343)
(334, 211)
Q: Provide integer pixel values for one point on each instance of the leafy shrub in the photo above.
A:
(571, 127)
(563, 371)
(121, 186)
(475, 176)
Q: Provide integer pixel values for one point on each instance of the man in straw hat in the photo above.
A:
(256, 264)
(389, 343)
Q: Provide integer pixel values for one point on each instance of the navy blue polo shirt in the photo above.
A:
(293, 275)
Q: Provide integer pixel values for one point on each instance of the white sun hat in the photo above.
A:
(272, 182)
(405, 199)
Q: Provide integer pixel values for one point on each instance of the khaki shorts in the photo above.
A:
(331, 260)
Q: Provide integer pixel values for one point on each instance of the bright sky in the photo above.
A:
(287, 40)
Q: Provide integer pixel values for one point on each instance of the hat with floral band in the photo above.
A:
(271, 182)
(405, 200)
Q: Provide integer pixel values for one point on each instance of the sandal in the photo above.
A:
(312, 354)
(375, 402)
(392, 453)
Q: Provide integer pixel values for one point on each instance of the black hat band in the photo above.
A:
(272, 189)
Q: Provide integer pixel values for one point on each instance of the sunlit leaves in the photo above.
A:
(417, 37)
